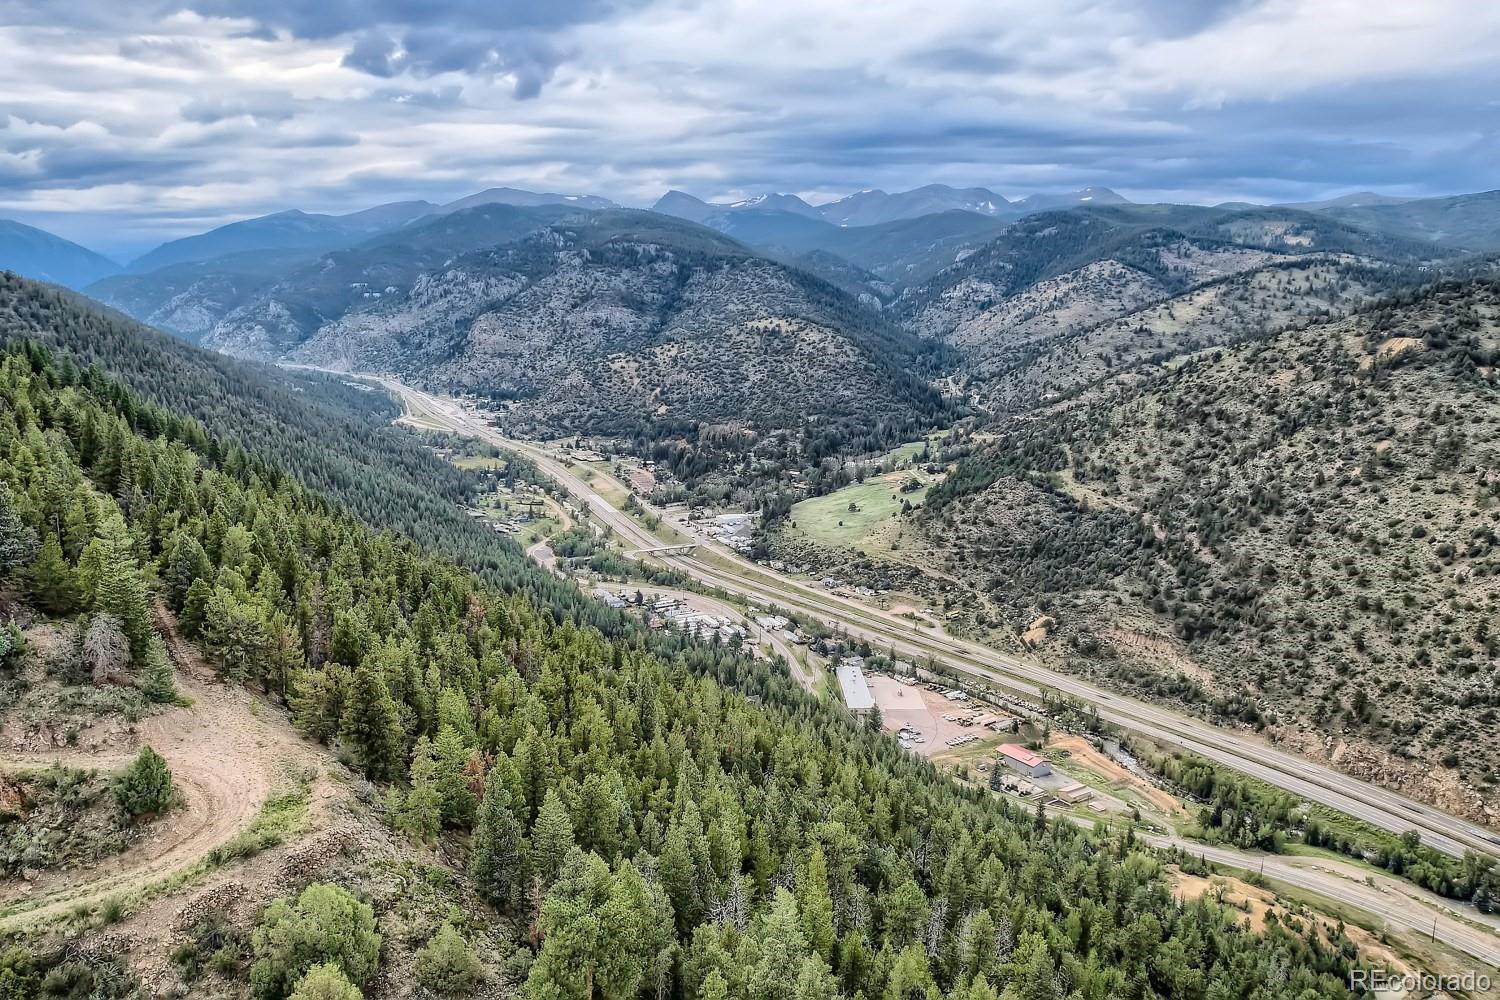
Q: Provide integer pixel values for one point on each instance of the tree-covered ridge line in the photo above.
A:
(333, 438)
(738, 849)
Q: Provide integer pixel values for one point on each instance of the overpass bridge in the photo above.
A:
(666, 550)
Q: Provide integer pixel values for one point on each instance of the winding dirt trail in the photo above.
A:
(227, 752)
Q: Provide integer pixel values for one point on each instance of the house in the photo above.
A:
(1072, 793)
(1018, 758)
(856, 691)
(610, 600)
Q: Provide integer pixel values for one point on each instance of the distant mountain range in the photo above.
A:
(871, 208)
(38, 254)
(896, 238)
(290, 230)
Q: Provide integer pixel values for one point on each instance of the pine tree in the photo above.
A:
(157, 682)
(234, 635)
(120, 589)
(419, 813)
(684, 866)
(552, 839)
(714, 987)
(371, 727)
(17, 539)
(782, 947)
(195, 608)
(51, 581)
(146, 786)
(451, 756)
(815, 905)
(186, 563)
(574, 937)
(495, 856)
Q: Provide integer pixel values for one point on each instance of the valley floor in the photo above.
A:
(1387, 903)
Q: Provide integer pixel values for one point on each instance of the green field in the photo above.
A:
(477, 462)
(828, 520)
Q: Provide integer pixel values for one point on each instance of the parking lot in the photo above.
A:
(914, 706)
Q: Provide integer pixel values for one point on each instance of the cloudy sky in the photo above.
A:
(124, 123)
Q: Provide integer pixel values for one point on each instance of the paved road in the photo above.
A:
(726, 570)
(1401, 905)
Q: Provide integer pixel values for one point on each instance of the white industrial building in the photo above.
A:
(856, 690)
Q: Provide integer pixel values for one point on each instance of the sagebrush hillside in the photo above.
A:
(1055, 351)
(1298, 531)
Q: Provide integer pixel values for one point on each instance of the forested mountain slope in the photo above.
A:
(1166, 249)
(1066, 333)
(281, 232)
(1056, 243)
(1470, 221)
(639, 827)
(902, 251)
(1298, 530)
(332, 437)
(189, 298)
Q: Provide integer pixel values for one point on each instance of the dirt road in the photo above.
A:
(227, 752)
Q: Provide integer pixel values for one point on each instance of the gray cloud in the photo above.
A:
(138, 121)
(260, 107)
(510, 38)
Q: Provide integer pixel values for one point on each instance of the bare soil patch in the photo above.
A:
(1082, 753)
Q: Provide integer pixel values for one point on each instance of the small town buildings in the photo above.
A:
(1017, 757)
(609, 599)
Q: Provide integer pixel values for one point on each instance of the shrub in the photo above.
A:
(146, 786)
(326, 982)
(12, 645)
(447, 965)
(326, 925)
(112, 911)
(18, 974)
(215, 937)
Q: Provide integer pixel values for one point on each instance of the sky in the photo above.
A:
(124, 124)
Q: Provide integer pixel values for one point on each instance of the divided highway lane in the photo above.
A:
(1378, 806)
